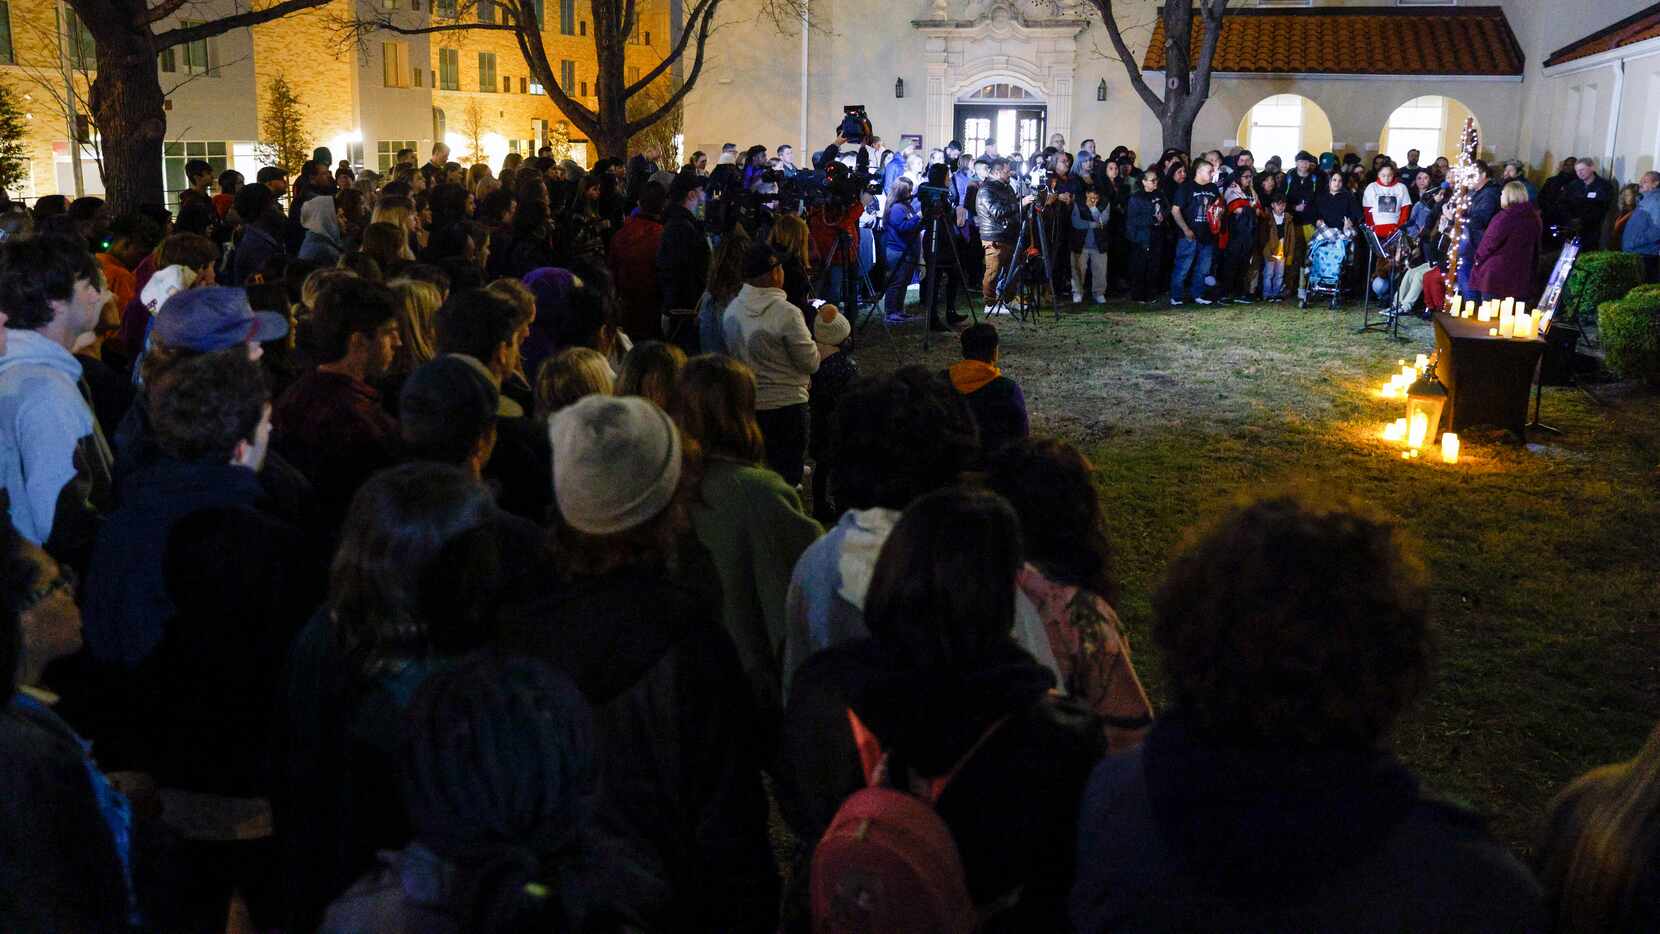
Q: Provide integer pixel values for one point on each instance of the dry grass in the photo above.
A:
(1545, 556)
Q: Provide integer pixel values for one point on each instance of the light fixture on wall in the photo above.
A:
(1101, 90)
(899, 87)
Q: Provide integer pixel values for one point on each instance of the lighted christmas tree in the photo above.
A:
(1464, 177)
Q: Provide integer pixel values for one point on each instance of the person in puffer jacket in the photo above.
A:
(765, 331)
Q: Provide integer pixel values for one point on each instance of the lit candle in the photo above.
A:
(1449, 448)
(1507, 327)
(1422, 363)
(1507, 307)
(1492, 332)
(1395, 430)
(1533, 326)
(1408, 374)
(1417, 430)
(1486, 312)
(1457, 305)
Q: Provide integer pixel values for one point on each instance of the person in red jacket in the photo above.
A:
(634, 267)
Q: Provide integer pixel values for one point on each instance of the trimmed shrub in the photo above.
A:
(1598, 277)
(1631, 335)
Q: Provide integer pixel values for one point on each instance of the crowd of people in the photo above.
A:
(469, 551)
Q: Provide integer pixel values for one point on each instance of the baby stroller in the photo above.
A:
(1329, 255)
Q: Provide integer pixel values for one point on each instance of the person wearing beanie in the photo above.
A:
(765, 331)
(633, 614)
(447, 413)
(500, 772)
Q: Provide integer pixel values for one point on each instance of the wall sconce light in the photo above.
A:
(1101, 90)
(899, 87)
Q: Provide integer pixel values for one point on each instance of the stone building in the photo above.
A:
(471, 89)
(1542, 79)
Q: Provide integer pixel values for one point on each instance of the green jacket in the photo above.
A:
(754, 527)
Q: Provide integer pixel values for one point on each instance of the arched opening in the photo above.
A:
(1431, 124)
(1012, 114)
(1283, 125)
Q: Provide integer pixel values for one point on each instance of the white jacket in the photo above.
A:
(769, 334)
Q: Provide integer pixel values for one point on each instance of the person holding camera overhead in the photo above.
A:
(901, 224)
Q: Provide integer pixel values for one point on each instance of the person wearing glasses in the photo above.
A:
(65, 829)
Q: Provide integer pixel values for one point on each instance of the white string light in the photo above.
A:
(1464, 176)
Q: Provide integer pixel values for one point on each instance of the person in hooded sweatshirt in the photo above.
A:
(941, 687)
(765, 331)
(55, 464)
(321, 220)
(1267, 798)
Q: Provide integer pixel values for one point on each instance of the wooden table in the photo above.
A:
(1487, 377)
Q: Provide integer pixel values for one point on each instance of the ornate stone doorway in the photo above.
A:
(1026, 60)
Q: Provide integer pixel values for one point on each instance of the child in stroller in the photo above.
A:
(1330, 253)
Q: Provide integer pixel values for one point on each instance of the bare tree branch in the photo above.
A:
(702, 8)
(1137, 80)
(159, 12)
(218, 27)
(1212, 11)
(635, 126)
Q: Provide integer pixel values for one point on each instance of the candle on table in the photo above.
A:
(1449, 448)
(1507, 307)
(1492, 332)
(1457, 305)
(1507, 327)
(1533, 327)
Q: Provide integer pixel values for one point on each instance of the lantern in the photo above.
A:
(1425, 399)
(899, 87)
(1101, 90)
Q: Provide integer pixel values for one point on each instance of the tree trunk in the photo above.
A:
(127, 109)
(1178, 133)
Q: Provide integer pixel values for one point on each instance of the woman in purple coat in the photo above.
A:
(1507, 259)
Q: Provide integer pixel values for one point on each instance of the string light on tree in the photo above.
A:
(1464, 175)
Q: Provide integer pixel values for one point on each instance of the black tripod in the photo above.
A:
(846, 259)
(1032, 269)
(938, 263)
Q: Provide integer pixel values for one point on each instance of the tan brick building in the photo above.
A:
(363, 103)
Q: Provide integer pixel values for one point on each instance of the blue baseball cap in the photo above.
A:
(215, 318)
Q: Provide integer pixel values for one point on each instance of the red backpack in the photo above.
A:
(888, 863)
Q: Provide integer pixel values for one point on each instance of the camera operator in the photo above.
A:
(940, 250)
(901, 223)
(831, 218)
(997, 211)
(1062, 191)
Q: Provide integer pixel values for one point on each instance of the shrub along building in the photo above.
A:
(364, 101)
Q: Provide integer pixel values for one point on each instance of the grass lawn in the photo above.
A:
(1545, 558)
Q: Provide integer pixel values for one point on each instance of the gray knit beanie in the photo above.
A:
(616, 463)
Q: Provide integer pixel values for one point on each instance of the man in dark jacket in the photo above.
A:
(1268, 799)
(1484, 206)
(997, 211)
(197, 465)
(1302, 186)
(998, 405)
(683, 251)
(1550, 193)
(1585, 201)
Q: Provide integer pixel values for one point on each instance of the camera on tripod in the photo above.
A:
(934, 201)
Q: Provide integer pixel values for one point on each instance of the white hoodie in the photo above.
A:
(769, 334)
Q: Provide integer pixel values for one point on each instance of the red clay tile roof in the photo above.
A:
(1629, 31)
(1457, 40)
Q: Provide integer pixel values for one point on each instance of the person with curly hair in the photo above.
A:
(1293, 635)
